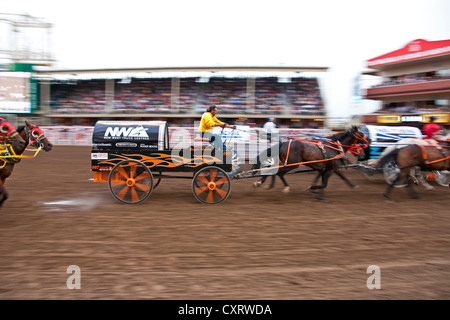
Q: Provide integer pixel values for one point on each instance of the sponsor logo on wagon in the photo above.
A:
(126, 145)
(148, 146)
(99, 156)
(138, 132)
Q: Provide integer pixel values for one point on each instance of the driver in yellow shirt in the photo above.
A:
(207, 123)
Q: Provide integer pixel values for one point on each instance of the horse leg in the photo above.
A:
(341, 175)
(286, 188)
(259, 182)
(314, 181)
(319, 195)
(387, 193)
(3, 194)
(412, 193)
(272, 182)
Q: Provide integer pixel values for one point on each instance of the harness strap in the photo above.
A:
(287, 156)
(425, 157)
(424, 153)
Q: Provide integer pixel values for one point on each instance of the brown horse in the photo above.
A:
(427, 157)
(325, 156)
(30, 134)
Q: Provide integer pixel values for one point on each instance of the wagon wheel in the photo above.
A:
(211, 185)
(130, 181)
(442, 177)
(390, 172)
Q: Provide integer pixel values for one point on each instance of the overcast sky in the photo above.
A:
(341, 35)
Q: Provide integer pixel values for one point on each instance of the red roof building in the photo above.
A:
(415, 84)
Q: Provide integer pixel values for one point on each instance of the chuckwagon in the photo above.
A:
(131, 155)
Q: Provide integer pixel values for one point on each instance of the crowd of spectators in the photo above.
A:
(269, 96)
(413, 78)
(413, 107)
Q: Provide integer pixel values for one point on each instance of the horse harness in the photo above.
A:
(321, 146)
(7, 154)
(438, 147)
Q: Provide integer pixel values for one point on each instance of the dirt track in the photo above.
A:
(258, 244)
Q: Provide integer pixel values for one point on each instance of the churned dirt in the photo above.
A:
(258, 244)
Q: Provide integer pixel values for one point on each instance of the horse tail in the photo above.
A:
(387, 158)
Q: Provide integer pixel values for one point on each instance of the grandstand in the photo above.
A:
(414, 84)
(181, 95)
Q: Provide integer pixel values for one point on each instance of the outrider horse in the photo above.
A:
(30, 134)
(427, 157)
(325, 156)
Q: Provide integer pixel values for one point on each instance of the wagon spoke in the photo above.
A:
(201, 177)
(132, 170)
(221, 192)
(121, 194)
(117, 183)
(134, 195)
(209, 198)
(143, 175)
(121, 171)
(200, 190)
(143, 187)
(212, 174)
(222, 180)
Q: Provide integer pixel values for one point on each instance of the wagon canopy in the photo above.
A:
(131, 135)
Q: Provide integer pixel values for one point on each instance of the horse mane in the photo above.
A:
(20, 128)
(343, 134)
(339, 136)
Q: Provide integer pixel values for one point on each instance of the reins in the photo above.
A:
(11, 156)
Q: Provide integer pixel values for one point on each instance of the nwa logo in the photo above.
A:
(135, 133)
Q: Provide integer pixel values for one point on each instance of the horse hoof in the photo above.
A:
(257, 184)
(307, 188)
(286, 190)
(324, 200)
(355, 187)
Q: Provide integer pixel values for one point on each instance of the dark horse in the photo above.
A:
(325, 156)
(427, 157)
(30, 134)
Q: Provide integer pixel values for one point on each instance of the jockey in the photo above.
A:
(430, 130)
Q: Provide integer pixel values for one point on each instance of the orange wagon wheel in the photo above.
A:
(211, 185)
(130, 181)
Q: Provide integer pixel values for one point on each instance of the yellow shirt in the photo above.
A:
(207, 122)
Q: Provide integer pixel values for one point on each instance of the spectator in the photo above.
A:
(269, 128)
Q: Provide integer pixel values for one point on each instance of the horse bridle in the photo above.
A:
(35, 136)
(357, 147)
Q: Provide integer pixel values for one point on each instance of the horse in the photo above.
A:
(426, 157)
(325, 156)
(30, 134)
